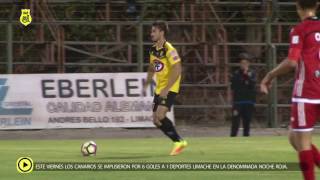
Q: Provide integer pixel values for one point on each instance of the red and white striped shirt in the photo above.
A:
(305, 49)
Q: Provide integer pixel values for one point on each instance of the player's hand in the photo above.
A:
(144, 90)
(164, 93)
(266, 84)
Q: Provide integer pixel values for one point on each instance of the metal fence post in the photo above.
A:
(140, 58)
(271, 63)
(274, 91)
(9, 48)
(269, 67)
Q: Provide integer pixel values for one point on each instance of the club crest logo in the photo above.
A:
(158, 66)
(25, 17)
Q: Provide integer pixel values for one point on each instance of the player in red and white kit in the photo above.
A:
(304, 56)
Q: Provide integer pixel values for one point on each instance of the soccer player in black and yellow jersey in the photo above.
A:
(165, 63)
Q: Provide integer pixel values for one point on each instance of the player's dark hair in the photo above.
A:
(162, 26)
(307, 4)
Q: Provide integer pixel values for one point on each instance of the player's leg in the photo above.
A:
(168, 129)
(166, 125)
(235, 120)
(303, 140)
(156, 122)
(164, 105)
(315, 151)
(306, 160)
(292, 140)
(246, 120)
(302, 121)
(161, 121)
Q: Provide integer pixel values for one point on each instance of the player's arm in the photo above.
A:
(289, 64)
(176, 69)
(150, 74)
(283, 68)
(173, 77)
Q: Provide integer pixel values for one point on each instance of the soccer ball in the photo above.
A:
(89, 148)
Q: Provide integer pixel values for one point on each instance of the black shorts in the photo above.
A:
(167, 102)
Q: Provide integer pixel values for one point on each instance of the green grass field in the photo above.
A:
(253, 149)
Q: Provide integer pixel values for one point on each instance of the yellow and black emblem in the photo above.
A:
(24, 165)
(25, 17)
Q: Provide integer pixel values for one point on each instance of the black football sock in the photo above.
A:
(168, 129)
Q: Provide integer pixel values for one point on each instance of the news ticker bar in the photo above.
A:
(150, 166)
